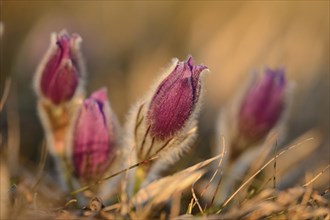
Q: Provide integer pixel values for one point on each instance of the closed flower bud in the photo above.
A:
(60, 72)
(163, 125)
(174, 100)
(262, 106)
(94, 137)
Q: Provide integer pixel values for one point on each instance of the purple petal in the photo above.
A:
(100, 95)
(60, 75)
(262, 106)
(174, 100)
(93, 149)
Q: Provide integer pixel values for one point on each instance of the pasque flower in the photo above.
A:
(94, 137)
(60, 73)
(175, 99)
(262, 106)
(163, 124)
(58, 84)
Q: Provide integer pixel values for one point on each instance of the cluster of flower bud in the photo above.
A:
(163, 124)
(80, 131)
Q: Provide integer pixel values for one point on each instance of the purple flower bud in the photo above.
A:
(60, 71)
(175, 99)
(94, 137)
(262, 106)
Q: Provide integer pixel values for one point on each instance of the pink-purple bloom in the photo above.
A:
(175, 99)
(93, 138)
(262, 106)
(61, 72)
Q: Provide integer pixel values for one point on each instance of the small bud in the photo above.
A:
(175, 99)
(94, 137)
(60, 73)
(262, 106)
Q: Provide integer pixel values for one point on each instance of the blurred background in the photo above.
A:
(126, 45)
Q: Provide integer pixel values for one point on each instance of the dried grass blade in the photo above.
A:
(317, 176)
(258, 171)
(112, 175)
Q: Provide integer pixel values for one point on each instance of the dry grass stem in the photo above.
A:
(317, 176)
(257, 172)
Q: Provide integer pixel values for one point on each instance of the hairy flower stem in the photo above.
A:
(56, 122)
(64, 164)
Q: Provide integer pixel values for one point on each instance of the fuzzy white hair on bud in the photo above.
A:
(167, 149)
